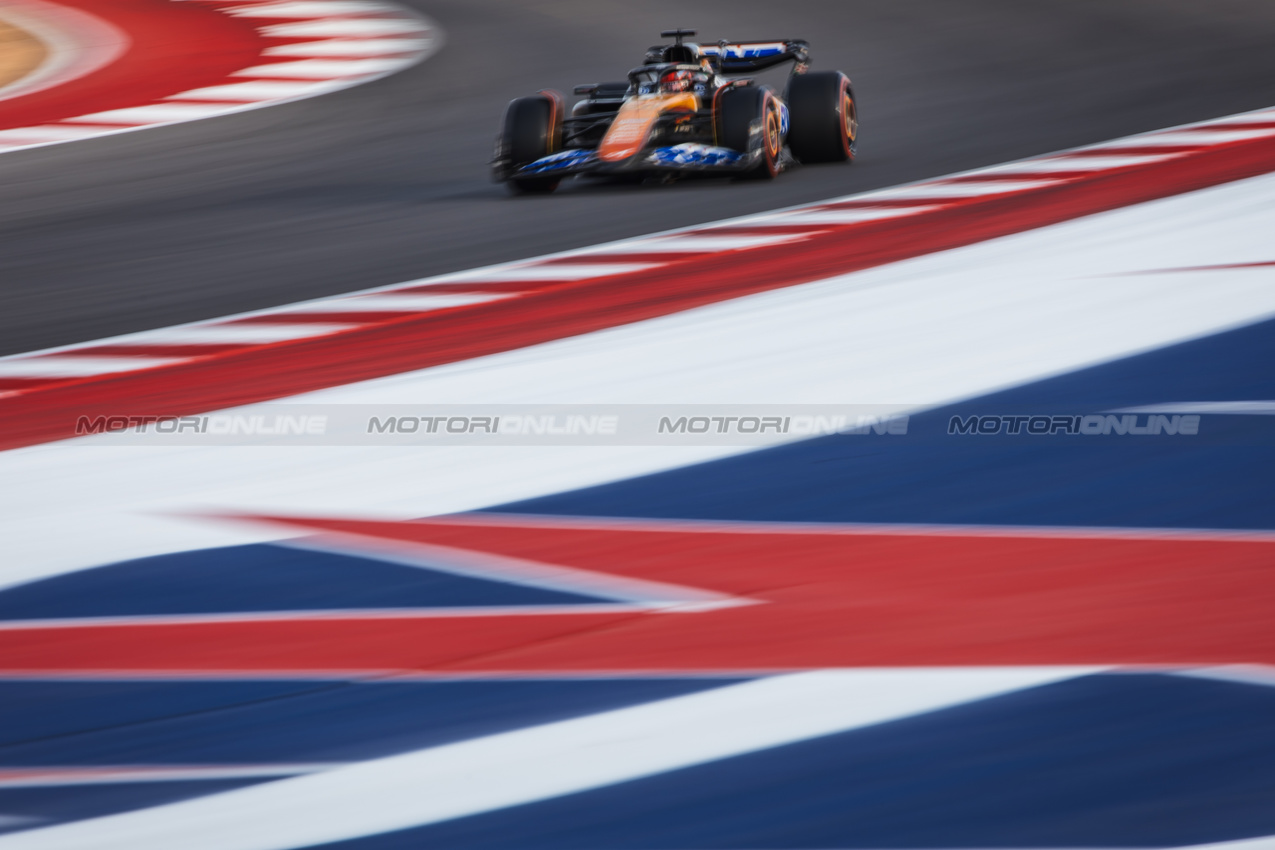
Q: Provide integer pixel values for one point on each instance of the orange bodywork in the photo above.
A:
(632, 126)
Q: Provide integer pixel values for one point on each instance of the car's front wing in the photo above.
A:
(686, 157)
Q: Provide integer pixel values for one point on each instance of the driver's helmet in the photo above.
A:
(677, 81)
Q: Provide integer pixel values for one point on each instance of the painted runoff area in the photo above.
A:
(859, 641)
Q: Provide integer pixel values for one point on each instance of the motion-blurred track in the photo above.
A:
(388, 182)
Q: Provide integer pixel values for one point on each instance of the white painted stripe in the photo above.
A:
(7, 821)
(1266, 116)
(57, 366)
(349, 47)
(695, 244)
(1264, 843)
(1076, 163)
(49, 132)
(469, 612)
(46, 777)
(1199, 138)
(1261, 675)
(407, 303)
(305, 9)
(155, 113)
(259, 90)
(321, 69)
(955, 190)
(527, 765)
(353, 27)
(565, 271)
(849, 216)
(858, 529)
(1241, 408)
(247, 334)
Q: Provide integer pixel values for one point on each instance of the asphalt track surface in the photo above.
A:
(388, 182)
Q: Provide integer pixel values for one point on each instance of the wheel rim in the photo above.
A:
(850, 117)
(772, 133)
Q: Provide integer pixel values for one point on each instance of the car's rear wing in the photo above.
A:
(744, 57)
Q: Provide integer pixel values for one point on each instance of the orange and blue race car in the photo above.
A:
(689, 108)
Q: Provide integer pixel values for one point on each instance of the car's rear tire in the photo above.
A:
(825, 117)
(741, 109)
(533, 129)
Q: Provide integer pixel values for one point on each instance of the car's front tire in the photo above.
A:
(825, 117)
(532, 129)
(738, 112)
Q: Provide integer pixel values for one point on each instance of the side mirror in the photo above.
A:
(587, 89)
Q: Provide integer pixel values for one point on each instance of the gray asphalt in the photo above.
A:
(389, 182)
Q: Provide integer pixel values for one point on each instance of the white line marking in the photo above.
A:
(1249, 408)
(353, 27)
(412, 303)
(55, 366)
(355, 614)
(498, 771)
(544, 271)
(349, 47)
(152, 114)
(247, 334)
(46, 777)
(259, 90)
(321, 69)
(853, 529)
(1262, 675)
(1266, 116)
(956, 190)
(50, 132)
(1077, 163)
(1196, 138)
(848, 216)
(302, 9)
(695, 244)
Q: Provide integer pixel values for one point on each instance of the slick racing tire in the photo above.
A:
(533, 129)
(825, 118)
(739, 112)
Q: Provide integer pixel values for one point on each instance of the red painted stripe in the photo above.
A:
(158, 63)
(460, 333)
(839, 600)
(7, 384)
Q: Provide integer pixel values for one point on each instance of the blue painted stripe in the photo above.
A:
(210, 723)
(53, 805)
(1217, 479)
(259, 577)
(60, 710)
(1103, 761)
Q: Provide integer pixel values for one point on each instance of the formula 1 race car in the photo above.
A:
(684, 110)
